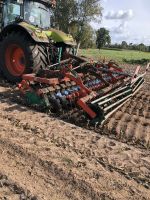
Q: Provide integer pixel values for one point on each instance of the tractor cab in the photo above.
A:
(36, 13)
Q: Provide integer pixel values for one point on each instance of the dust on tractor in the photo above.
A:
(53, 76)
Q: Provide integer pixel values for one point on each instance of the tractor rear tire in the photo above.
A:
(19, 55)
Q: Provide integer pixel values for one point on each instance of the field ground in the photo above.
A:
(121, 56)
(44, 158)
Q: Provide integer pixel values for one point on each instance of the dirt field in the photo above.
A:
(43, 158)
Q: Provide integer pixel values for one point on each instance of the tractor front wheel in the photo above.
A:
(19, 55)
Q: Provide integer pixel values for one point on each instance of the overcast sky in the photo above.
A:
(127, 20)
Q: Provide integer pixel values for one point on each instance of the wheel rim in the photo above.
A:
(15, 60)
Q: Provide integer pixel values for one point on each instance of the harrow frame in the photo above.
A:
(99, 89)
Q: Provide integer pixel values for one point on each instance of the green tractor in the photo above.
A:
(27, 40)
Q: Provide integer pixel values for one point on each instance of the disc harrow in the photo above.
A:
(84, 89)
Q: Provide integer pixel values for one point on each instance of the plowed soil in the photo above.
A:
(132, 121)
(45, 158)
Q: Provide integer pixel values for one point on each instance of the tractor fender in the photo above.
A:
(60, 37)
(35, 33)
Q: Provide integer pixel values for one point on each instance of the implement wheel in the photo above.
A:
(19, 55)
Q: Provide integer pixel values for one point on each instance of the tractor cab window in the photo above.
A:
(11, 11)
(37, 14)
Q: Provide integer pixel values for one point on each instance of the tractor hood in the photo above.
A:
(45, 36)
(59, 36)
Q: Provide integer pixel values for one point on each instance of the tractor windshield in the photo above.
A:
(37, 14)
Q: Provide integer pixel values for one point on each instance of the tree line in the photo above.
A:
(130, 46)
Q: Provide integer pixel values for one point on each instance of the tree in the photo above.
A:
(124, 45)
(103, 38)
(141, 47)
(71, 15)
(64, 13)
(87, 38)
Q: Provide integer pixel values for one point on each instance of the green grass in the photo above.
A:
(124, 56)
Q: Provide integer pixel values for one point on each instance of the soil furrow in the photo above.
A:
(10, 189)
(131, 123)
(45, 158)
(29, 171)
(70, 177)
(62, 141)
